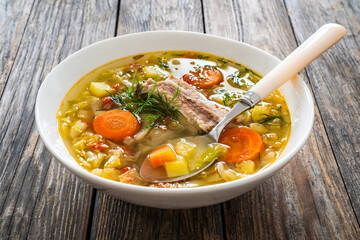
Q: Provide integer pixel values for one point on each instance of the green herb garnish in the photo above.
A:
(270, 118)
(229, 99)
(200, 56)
(223, 62)
(153, 106)
(137, 57)
(162, 63)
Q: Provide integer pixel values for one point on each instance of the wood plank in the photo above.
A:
(39, 199)
(115, 219)
(13, 20)
(307, 199)
(142, 15)
(335, 79)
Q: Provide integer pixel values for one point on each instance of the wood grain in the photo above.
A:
(152, 15)
(13, 20)
(307, 199)
(115, 219)
(335, 79)
(39, 199)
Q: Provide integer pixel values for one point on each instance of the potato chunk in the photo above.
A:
(100, 89)
(185, 148)
(247, 167)
(176, 168)
(111, 173)
(259, 128)
(155, 72)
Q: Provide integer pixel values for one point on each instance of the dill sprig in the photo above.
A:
(222, 61)
(230, 99)
(162, 63)
(227, 99)
(152, 108)
(271, 118)
(201, 56)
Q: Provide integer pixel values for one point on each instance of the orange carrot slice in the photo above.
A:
(204, 77)
(116, 124)
(244, 143)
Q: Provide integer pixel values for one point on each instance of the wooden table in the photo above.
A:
(316, 196)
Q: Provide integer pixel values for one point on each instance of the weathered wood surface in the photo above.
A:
(289, 205)
(13, 20)
(152, 15)
(315, 196)
(115, 219)
(39, 199)
(335, 80)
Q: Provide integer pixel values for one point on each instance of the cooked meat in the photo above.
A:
(195, 107)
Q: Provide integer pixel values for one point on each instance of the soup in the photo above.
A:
(150, 106)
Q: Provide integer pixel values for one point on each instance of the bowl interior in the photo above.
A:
(69, 71)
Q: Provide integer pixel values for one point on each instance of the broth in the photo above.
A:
(116, 86)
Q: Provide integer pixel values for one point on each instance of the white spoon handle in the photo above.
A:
(319, 42)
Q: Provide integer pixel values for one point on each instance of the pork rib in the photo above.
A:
(195, 107)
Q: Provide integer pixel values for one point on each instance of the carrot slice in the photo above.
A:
(116, 124)
(204, 77)
(163, 154)
(244, 143)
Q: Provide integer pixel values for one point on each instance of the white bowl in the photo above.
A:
(68, 72)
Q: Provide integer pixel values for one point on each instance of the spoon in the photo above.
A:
(314, 46)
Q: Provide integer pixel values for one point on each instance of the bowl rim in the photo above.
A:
(258, 176)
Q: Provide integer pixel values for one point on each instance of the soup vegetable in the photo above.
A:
(149, 106)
